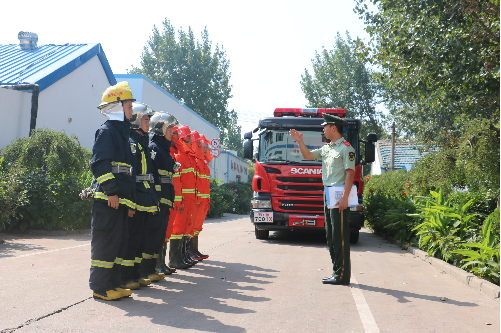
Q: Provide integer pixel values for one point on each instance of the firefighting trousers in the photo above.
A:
(338, 242)
(109, 232)
(193, 220)
(202, 213)
(183, 222)
(170, 225)
(134, 253)
(155, 232)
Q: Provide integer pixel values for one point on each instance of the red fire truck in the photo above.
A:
(288, 190)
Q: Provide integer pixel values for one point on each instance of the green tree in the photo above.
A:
(439, 62)
(342, 79)
(194, 72)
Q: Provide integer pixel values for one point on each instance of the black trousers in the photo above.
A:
(153, 238)
(135, 247)
(338, 242)
(109, 241)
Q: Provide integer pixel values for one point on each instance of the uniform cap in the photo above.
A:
(331, 119)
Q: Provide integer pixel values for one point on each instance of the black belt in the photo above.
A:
(121, 169)
(145, 178)
(166, 179)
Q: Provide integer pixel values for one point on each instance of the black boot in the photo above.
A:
(201, 256)
(185, 253)
(161, 267)
(175, 256)
(191, 250)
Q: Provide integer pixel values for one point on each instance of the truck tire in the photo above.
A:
(261, 234)
(354, 235)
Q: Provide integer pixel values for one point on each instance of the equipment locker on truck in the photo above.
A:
(288, 190)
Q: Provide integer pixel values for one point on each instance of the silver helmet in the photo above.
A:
(138, 111)
(160, 121)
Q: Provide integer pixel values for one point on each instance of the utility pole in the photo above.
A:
(393, 147)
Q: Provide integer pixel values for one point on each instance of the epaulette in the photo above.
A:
(346, 143)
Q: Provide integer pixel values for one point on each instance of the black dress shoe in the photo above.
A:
(333, 280)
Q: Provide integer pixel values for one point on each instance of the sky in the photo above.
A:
(269, 43)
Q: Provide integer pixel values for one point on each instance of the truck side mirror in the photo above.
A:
(248, 149)
(247, 135)
(370, 148)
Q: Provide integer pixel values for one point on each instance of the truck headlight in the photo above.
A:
(260, 204)
(357, 208)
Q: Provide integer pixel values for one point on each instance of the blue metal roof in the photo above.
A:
(406, 154)
(47, 64)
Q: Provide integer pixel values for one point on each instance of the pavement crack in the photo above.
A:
(31, 321)
(233, 240)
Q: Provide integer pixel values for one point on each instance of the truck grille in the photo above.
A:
(301, 188)
(299, 180)
(302, 205)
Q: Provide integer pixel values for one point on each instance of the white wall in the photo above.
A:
(145, 91)
(15, 111)
(228, 166)
(76, 97)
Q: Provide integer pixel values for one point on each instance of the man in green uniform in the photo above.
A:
(338, 168)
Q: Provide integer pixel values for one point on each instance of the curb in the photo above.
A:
(485, 287)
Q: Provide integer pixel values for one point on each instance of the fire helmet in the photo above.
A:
(195, 136)
(119, 92)
(205, 142)
(160, 121)
(138, 111)
(184, 131)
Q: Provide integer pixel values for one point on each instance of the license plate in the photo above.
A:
(263, 217)
(305, 222)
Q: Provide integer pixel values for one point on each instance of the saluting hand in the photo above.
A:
(296, 135)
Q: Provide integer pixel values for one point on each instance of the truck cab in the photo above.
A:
(288, 190)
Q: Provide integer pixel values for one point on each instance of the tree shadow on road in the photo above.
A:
(186, 299)
(402, 296)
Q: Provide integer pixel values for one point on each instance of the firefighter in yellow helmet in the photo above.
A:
(114, 193)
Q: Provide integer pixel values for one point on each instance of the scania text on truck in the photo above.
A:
(288, 190)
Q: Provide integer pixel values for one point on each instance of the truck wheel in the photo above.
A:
(261, 234)
(354, 236)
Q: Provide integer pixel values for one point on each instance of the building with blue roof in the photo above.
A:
(406, 154)
(70, 79)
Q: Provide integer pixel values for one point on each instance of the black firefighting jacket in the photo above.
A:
(112, 163)
(163, 169)
(146, 197)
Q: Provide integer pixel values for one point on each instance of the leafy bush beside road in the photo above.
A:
(41, 177)
(461, 227)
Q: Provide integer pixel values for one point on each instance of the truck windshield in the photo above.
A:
(278, 146)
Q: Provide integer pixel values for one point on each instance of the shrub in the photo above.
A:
(241, 195)
(47, 170)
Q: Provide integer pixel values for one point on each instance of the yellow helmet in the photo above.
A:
(119, 92)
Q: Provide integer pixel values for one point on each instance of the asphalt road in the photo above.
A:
(246, 285)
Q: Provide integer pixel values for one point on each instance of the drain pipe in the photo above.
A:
(34, 101)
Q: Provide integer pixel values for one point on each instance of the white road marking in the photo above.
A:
(48, 251)
(364, 311)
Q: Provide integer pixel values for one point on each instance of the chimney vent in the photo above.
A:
(27, 40)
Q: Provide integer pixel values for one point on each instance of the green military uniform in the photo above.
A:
(336, 158)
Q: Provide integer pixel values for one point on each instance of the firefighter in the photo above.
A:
(183, 221)
(175, 259)
(338, 168)
(161, 125)
(111, 166)
(138, 264)
(203, 192)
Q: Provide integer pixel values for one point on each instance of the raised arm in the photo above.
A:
(298, 136)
